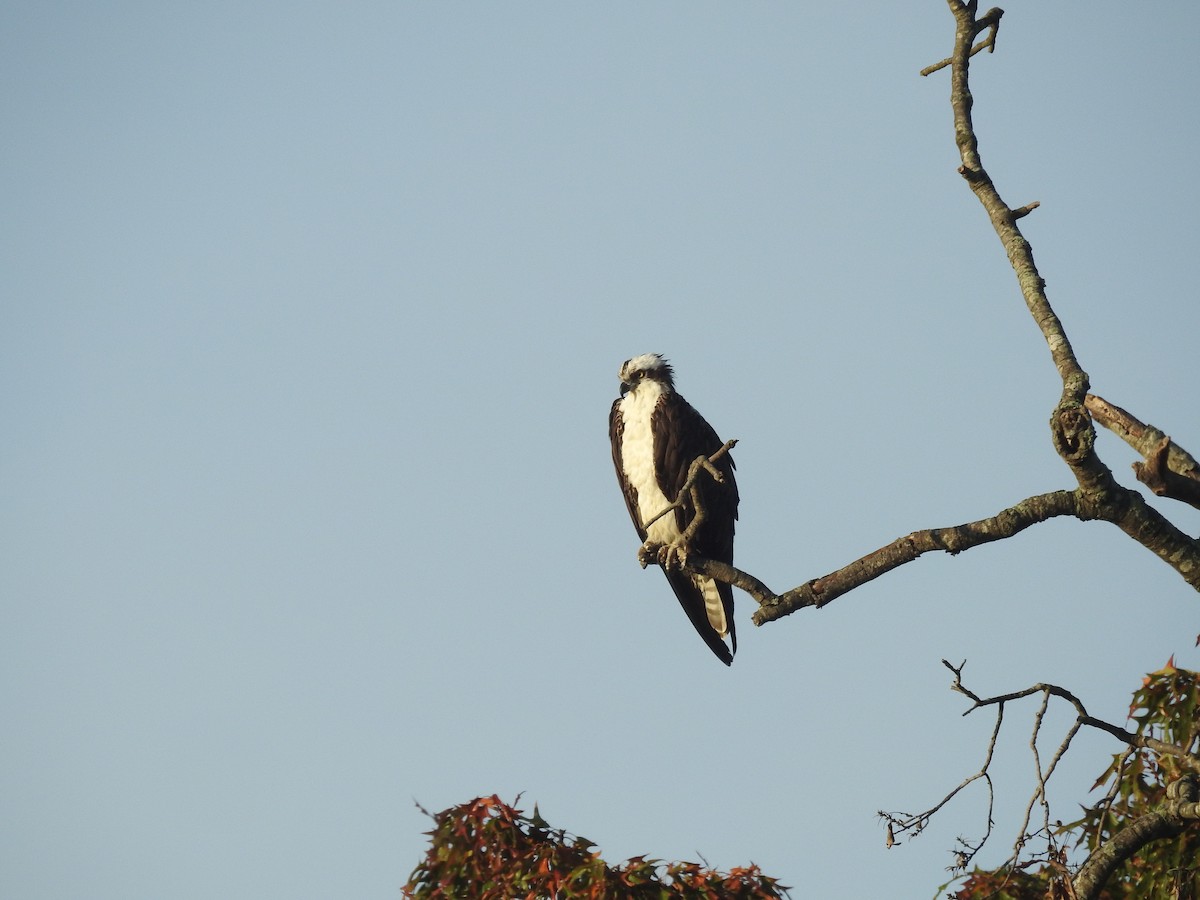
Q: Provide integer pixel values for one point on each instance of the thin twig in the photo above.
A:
(990, 18)
(914, 823)
(688, 490)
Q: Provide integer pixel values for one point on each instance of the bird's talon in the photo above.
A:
(673, 556)
(646, 554)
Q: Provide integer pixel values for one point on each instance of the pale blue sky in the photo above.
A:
(311, 316)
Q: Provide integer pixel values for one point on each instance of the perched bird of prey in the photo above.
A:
(656, 435)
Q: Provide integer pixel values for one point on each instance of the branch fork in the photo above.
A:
(675, 555)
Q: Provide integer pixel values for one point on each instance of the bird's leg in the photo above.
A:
(668, 556)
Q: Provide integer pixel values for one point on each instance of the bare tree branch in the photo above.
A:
(1020, 254)
(989, 19)
(1071, 427)
(1098, 496)
(1151, 529)
(1141, 742)
(952, 540)
(901, 823)
(676, 555)
(1135, 741)
(1186, 809)
(1168, 469)
(688, 493)
(1039, 794)
(1170, 818)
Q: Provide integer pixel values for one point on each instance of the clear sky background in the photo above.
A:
(310, 319)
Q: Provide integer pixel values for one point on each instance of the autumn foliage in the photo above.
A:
(489, 850)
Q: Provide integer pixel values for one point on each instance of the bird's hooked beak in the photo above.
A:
(626, 387)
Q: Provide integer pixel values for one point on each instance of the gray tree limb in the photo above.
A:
(1179, 811)
(1097, 495)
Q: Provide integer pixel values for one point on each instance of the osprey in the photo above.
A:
(656, 435)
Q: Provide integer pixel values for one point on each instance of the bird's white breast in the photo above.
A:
(637, 460)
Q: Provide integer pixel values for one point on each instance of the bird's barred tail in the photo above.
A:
(713, 605)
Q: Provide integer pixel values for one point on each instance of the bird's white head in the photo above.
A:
(647, 367)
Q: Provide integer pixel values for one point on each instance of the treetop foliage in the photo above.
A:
(489, 850)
